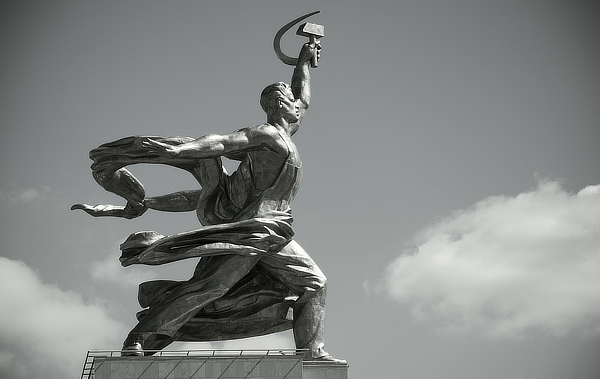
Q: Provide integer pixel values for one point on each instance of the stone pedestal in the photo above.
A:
(289, 366)
(312, 370)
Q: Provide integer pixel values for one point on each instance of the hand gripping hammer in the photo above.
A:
(314, 32)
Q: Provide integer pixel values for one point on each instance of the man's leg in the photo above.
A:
(293, 267)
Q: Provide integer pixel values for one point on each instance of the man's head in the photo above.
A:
(278, 99)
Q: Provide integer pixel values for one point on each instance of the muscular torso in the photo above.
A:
(272, 173)
(263, 167)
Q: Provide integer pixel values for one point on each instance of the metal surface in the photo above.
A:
(277, 40)
(314, 32)
(251, 271)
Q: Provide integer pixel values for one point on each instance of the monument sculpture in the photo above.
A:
(251, 272)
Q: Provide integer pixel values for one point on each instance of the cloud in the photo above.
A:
(282, 340)
(366, 288)
(24, 196)
(45, 330)
(508, 266)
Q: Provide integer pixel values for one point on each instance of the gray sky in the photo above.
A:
(451, 191)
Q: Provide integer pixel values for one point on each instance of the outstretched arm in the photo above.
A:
(182, 201)
(216, 145)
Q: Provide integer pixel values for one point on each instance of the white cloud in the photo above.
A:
(366, 288)
(24, 196)
(508, 266)
(111, 270)
(282, 340)
(44, 329)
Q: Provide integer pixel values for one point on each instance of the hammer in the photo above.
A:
(313, 32)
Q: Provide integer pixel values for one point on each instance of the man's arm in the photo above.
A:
(182, 201)
(216, 145)
(301, 76)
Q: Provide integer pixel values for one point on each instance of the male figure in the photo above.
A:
(246, 215)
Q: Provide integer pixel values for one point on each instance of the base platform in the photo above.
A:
(210, 364)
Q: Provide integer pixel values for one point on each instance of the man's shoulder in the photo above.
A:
(265, 128)
(267, 135)
(262, 131)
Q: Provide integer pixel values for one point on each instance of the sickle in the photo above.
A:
(277, 41)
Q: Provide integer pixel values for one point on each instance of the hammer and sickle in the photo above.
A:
(277, 41)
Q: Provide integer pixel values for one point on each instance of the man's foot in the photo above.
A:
(328, 359)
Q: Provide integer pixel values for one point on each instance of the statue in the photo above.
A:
(251, 271)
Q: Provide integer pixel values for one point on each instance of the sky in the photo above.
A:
(451, 189)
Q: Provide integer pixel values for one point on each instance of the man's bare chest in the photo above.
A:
(262, 168)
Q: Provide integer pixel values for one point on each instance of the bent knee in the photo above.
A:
(318, 283)
(322, 282)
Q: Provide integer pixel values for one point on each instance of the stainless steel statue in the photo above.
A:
(251, 271)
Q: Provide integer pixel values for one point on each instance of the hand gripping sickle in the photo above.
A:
(310, 30)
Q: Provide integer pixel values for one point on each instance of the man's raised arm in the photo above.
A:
(301, 75)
